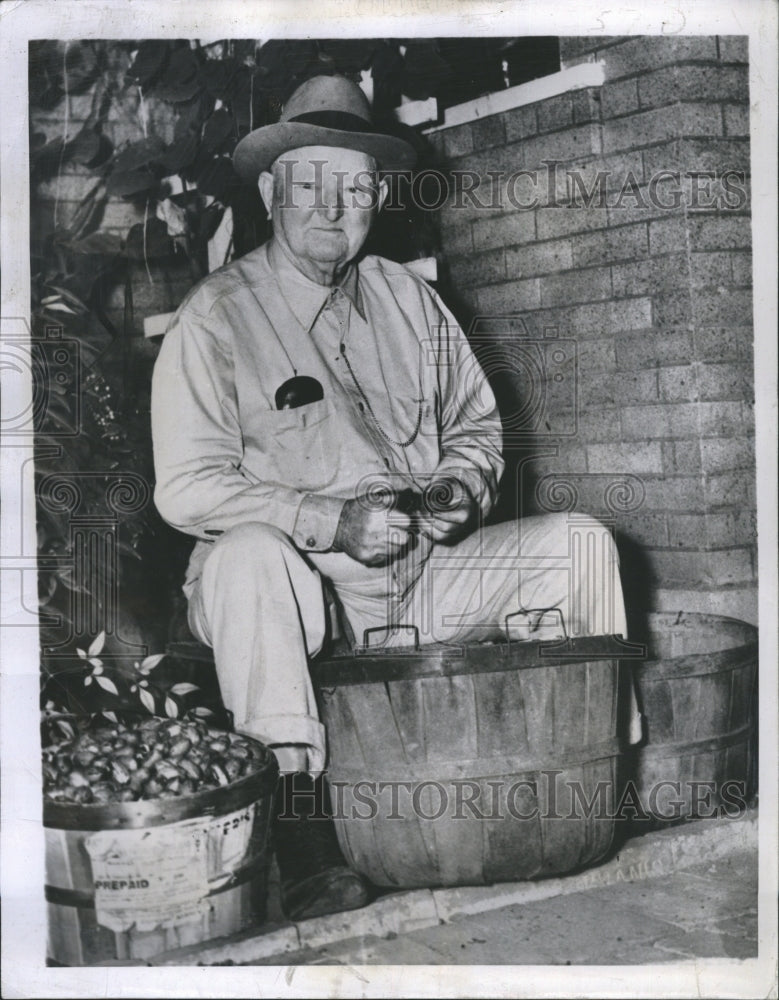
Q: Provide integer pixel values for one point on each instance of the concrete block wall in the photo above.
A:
(636, 245)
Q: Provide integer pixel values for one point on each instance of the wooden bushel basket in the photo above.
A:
(129, 880)
(480, 745)
(696, 690)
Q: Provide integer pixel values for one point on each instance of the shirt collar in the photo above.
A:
(307, 298)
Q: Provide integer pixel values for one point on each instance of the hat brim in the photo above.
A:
(257, 151)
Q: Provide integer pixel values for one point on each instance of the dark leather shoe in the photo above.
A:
(331, 891)
(315, 878)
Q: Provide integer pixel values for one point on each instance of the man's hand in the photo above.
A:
(448, 510)
(372, 536)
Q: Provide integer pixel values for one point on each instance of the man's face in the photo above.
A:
(322, 202)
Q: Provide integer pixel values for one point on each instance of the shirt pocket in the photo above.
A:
(300, 447)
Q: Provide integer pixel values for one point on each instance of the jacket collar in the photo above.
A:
(307, 298)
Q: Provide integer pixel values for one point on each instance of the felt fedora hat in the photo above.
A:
(323, 111)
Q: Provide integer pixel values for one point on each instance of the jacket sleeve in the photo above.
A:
(202, 487)
(471, 434)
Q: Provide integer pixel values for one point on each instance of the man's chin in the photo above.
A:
(329, 254)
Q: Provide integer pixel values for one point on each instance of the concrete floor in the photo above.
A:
(707, 911)
(688, 892)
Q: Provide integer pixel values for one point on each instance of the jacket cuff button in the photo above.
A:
(311, 541)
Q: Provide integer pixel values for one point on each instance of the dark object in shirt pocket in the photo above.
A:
(299, 446)
(298, 391)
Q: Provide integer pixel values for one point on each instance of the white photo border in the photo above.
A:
(24, 972)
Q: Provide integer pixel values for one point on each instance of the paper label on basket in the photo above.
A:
(159, 876)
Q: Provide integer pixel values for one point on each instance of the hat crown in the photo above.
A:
(323, 111)
(327, 93)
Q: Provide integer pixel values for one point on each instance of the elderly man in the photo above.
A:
(296, 389)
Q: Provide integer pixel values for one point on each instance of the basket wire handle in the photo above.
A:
(389, 629)
(541, 612)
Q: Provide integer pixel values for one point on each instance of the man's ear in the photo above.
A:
(383, 192)
(265, 185)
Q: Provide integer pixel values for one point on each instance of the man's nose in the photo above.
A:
(332, 203)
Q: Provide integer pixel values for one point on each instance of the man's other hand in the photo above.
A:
(448, 511)
(372, 536)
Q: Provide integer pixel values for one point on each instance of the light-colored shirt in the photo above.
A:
(404, 399)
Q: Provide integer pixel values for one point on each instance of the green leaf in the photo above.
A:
(66, 728)
(82, 66)
(132, 182)
(66, 576)
(46, 589)
(179, 154)
(149, 60)
(208, 221)
(139, 154)
(107, 684)
(97, 243)
(147, 700)
(123, 547)
(192, 114)
(184, 688)
(85, 146)
(220, 126)
(151, 662)
(49, 153)
(149, 241)
(180, 81)
(60, 307)
(217, 178)
(97, 645)
(68, 296)
(217, 74)
(45, 70)
(171, 708)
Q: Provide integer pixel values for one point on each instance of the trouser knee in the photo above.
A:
(254, 566)
(560, 528)
(252, 537)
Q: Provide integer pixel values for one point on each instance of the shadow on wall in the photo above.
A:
(513, 364)
(518, 366)
(638, 581)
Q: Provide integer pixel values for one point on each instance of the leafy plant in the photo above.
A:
(93, 684)
(91, 395)
(91, 438)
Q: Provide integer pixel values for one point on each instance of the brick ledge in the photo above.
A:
(591, 74)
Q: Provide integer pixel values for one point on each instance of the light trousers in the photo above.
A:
(263, 607)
